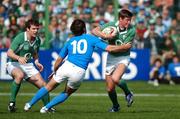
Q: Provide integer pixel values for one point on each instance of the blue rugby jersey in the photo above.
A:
(174, 69)
(80, 49)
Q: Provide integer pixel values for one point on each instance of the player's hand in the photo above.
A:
(51, 75)
(22, 60)
(40, 66)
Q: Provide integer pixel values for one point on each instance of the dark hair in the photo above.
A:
(78, 27)
(125, 13)
(31, 22)
(157, 60)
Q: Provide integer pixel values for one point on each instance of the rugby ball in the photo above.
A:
(110, 30)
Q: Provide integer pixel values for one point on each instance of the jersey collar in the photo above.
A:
(26, 39)
(121, 31)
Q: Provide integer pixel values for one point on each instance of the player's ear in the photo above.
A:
(27, 29)
(84, 29)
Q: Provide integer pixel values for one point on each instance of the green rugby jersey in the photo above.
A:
(22, 47)
(122, 37)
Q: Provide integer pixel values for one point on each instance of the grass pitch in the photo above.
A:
(92, 102)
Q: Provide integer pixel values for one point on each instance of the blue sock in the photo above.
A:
(41, 92)
(56, 100)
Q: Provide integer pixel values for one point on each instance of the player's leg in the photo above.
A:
(39, 82)
(75, 76)
(116, 77)
(17, 75)
(70, 88)
(40, 93)
(63, 96)
(110, 85)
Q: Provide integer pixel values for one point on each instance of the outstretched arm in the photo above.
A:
(118, 48)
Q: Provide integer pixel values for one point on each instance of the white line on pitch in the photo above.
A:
(100, 94)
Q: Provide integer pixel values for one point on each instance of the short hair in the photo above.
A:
(78, 27)
(31, 22)
(125, 13)
(157, 60)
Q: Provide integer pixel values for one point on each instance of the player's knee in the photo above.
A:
(110, 89)
(48, 87)
(19, 77)
(43, 83)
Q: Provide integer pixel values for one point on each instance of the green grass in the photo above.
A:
(164, 106)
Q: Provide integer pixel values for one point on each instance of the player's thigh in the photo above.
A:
(118, 72)
(51, 84)
(37, 80)
(29, 70)
(75, 77)
(15, 71)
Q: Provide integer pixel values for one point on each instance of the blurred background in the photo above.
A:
(156, 47)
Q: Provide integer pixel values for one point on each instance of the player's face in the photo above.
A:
(124, 22)
(33, 30)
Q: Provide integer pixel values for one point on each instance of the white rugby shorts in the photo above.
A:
(70, 72)
(28, 68)
(114, 61)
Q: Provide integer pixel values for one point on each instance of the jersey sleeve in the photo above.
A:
(99, 43)
(130, 35)
(16, 42)
(64, 51)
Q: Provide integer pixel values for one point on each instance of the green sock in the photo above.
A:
(113, 97)
(124, 87)
(14, 91)
(46, 99)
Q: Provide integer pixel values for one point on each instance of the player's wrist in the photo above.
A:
(18, 58)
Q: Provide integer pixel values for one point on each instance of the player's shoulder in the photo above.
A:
(21, 34)
(19, 37)
(131, 27)
(89, 36)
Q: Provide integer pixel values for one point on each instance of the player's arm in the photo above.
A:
(37, 63)
(11, 51)
(124, 47)
(111, 48)
(118, 48)
(98, 32)
(11, 54)
(58, 61)
(62, 55)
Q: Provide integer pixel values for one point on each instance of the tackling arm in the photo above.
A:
(119, 48)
